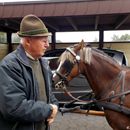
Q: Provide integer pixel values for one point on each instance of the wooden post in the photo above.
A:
(101, 39)
(90, 112)
(53, 41)
(9, 39)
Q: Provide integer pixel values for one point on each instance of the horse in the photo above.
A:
(109, 81)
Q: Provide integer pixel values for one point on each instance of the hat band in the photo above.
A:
(34, 32)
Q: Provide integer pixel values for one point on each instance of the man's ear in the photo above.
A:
(27, 41)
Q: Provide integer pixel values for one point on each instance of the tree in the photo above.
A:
(3, 37)
(125, 37)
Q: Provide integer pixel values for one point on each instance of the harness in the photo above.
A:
(102, 103)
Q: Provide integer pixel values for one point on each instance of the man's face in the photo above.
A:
(38, 46)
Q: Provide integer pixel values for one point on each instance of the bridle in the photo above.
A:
(77, 57)
(63, 79)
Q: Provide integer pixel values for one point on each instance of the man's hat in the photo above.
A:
(31, 25)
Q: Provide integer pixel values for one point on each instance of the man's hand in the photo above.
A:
(53, 114)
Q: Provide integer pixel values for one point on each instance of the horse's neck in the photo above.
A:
(101, 72)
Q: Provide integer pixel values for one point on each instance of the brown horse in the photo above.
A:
(109, 81)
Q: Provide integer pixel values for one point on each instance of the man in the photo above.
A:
(26, 100)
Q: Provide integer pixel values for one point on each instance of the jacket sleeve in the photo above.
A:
(14, 103)
(53, 99)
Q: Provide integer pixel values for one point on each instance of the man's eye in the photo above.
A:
(44, 41)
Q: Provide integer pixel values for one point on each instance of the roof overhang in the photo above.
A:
(66, 15)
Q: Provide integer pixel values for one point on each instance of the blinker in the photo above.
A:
(68, 65)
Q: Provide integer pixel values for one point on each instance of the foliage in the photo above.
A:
(15, 38)
(3, 37)
(125, 37)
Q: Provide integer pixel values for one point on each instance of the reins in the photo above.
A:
(106, 102)
(62, 85)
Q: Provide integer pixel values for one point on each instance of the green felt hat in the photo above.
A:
(31, 25)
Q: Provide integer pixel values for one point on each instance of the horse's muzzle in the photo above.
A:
(55, 78)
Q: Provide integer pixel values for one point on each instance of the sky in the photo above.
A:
(88, 36)
(76, 36)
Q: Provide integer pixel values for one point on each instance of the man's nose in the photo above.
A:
(47, 44)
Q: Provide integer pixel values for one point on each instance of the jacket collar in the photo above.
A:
(21, 54)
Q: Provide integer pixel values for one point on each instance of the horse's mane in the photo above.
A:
(66, 55)
(105, 56)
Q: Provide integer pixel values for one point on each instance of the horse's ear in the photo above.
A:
(82, 44)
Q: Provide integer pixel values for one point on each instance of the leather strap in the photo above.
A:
(114, 107)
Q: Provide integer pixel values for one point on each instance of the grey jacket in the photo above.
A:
(20, 108)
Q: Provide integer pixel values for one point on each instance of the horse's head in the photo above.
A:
(69, 64)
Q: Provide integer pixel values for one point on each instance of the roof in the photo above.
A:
(66, 15)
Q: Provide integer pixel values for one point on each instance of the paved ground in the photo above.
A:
(73, 121)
